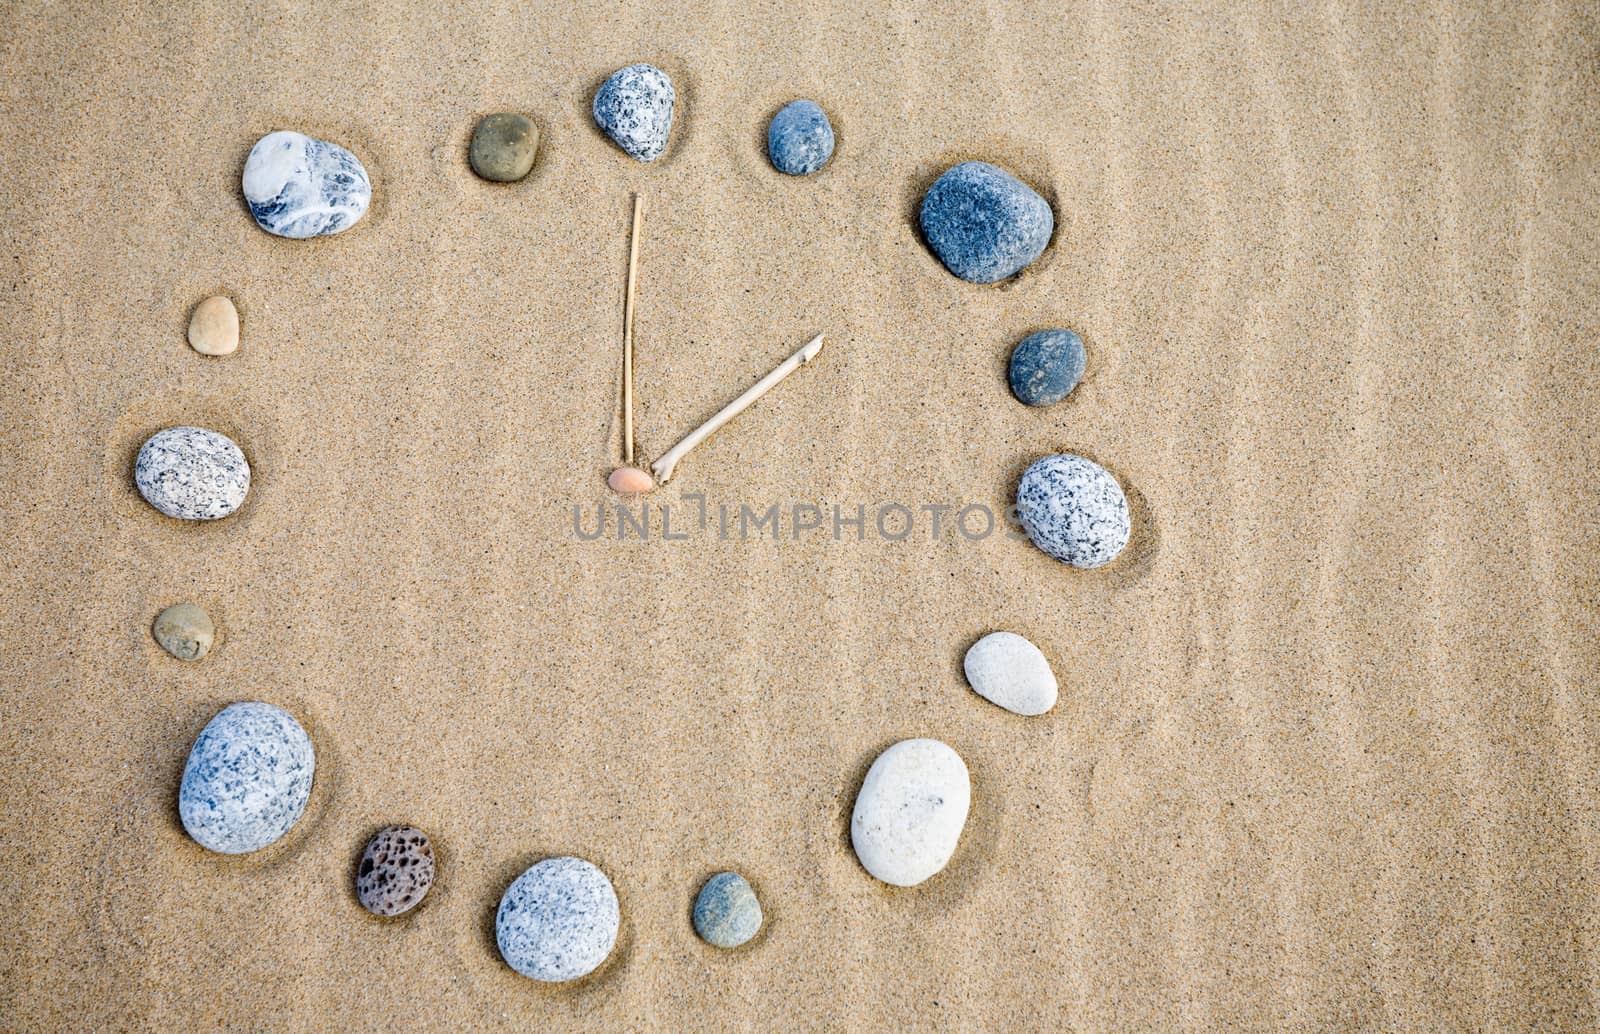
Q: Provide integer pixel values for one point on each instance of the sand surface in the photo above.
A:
(1328, 750)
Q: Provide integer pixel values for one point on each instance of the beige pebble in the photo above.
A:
(185, 631)
(214, 327)
(396, 871)
(630, 481)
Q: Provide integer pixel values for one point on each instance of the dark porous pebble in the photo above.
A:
(1046, 366)
(800, 138)
(396, 871)
(983, 223)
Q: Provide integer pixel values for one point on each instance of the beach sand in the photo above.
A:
(1327, 754)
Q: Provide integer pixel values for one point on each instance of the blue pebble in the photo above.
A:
(1046, 366)
(984, 223)
(727, 914)
(800, 139)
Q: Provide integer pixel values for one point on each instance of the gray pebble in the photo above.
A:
(983, 223)
(1046, 366)
(503, 147)
(396, 871)
(247, 779)
(726, 912)
(192, 474)
(558, 920)
(185, 631)
(1074, 510)
(298, 186)
(800, 138)
(634, 109)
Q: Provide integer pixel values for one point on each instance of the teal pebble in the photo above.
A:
(1046, 366)
(727, 914)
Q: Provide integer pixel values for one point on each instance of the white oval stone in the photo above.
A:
(558, 920)
(247, 779)
(910, 811)
(1006, 669)
(192, 473)
(298, 186)
(1074, 510)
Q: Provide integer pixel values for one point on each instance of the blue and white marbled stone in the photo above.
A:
(634, 109)
(558, 920)
(247, 780)
(800, 138)
(1074, 510)
(192, 473)
(726, 912)
(1046, 366)
(983, 223)
(298, 186)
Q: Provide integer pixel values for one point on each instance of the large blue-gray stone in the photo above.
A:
(298, 186)
(1074, 510)
(247, 780)
(558, 920)
(983, 223)
(634, 109)
(800, 138)
(1046, 366)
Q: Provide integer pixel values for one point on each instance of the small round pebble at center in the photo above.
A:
(214, 327)
(800, 139)
(726, 912)
(185, 631)
(396, 871)
(503, 147)
(1046, 366)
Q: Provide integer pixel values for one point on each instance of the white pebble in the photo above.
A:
(910, 811)
(1006, 669)
(192, 473)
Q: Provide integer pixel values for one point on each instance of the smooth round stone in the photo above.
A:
(1046, 366)
(247, 780)
(214, 327)
(1074, 510)
(1006, 669)
(503, 147)
(630, 481)
(558, 920)
(983, 223)
(910, 811)
(298, 186)
(726, 912)
(192, 474)
(800, 138)
(396, 871)
(634, 109)
(185, 631)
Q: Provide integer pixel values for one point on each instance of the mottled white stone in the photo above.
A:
(910, 811)
(192, 473)
(247, 779)
(1006, 669)
(298, 186)
(1074, 510)
(634, 108)
(558, 920)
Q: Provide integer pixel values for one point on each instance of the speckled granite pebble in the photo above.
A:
(983, 223)
(1046, 366)
(910, 812)
(1074, 510)
(396, 870)
(185, 631)
(247, 780)
(503, 147)
(726, 912)
(800, 138)
(298, 186)
(214, 326)
(558, 920)
(634, 109)
(1006, 669)
(192, 474)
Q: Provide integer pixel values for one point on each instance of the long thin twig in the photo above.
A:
(627, 333)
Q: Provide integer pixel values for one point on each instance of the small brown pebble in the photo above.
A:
(396, 871)
(214, 327)
(630, 481)
(185, 631)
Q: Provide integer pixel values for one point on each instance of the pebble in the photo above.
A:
(726, 912)
(1074, 510)
(634, 109)
(910, 811)
(214, 327)
(396, 871)
(185, 631)
(503, 147)
(800, 138)
(1006, 669)
(298, 186)
(1046, 366)
(192, 474)
(247, 780)
(558, 920)
(983, 223)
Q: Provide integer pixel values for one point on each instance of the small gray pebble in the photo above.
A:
(503, 147)
(247, 779)
(1074, 510)
(192, 474)
(1046, 366)
(558, 920)
(396, 871)
(726, 912)
(983, 223)
(634, 109)
(185, 631)
(298, 186)
(800, 138)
